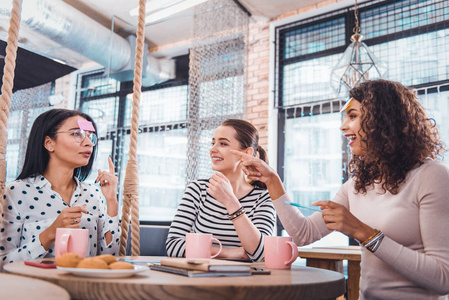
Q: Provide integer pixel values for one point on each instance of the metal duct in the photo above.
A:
(70, 28)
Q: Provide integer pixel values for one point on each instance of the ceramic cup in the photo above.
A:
(199, 245)
(71, 240)
(280, 252)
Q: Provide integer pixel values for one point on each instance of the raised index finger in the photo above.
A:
(328, 203)
(111, 166)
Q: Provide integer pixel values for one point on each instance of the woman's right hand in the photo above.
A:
(258, 170)
(255, 168)
(69, 217)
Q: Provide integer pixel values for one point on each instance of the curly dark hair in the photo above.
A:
(396, 134)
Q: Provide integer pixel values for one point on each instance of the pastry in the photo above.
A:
(92, 263)
(108, 258)
(68, 260)
(121, 265)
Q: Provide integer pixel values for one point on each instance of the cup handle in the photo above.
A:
(63, 243)
(219, 243)
(295, 253)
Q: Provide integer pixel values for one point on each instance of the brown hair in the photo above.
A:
(248, 137)
(397, 135)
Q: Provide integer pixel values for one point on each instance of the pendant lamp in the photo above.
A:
(357, 64)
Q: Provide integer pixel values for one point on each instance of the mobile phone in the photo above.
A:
(41, 263)
(259, 271)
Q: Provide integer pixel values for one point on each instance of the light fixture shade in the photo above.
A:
(357, 65)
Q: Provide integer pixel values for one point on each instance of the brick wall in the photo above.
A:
(258, 72)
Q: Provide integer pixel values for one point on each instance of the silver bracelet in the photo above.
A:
(374, 243)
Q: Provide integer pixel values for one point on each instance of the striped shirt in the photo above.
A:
(201, 213)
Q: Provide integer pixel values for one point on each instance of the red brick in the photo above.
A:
(259, 108)
(252, 116)
(260, 96)
(260, 85)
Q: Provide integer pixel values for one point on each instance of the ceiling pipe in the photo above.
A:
(72, 29)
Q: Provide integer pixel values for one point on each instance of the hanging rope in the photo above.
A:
(8, 83)
(131, 182)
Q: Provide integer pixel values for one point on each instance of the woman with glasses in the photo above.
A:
(50, 193)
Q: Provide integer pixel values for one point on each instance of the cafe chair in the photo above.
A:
(152, 240)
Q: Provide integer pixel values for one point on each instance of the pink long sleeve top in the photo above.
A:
(412, 261)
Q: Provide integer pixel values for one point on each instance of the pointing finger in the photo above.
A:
(327, 203)
(242, 155)
(111, 166)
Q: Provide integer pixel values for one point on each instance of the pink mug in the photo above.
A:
(71, 240)
(199, 245)
(280, 252)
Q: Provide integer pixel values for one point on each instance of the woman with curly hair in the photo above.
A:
(395, 205)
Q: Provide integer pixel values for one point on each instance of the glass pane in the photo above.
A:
(415, 65)
(313, 162)
(15, 124)
(162, 162)
(437, 107)
(98, 84)
(104, 112)
(308, 81)
(160, 106)
(402, 15)
(314, 38)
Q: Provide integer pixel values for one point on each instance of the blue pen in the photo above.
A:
(305, 207)
(139, 261)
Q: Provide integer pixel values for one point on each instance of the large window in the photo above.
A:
(412, 37)
(162, 139)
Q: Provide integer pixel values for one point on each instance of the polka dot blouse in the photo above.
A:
(30, 206)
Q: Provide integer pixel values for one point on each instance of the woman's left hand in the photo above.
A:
(337, 217)
(108, 182)
(221, 189)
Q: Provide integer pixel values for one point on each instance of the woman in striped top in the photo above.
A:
(236, 212)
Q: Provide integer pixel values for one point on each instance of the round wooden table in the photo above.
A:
(20, 287)
(298, 283)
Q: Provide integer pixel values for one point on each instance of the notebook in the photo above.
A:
(196, 273)
(206, 264)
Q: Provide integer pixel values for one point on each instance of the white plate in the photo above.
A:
(98, 273)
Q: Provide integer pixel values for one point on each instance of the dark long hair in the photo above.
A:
(248, 137)
(397, 135)
(47, 124)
